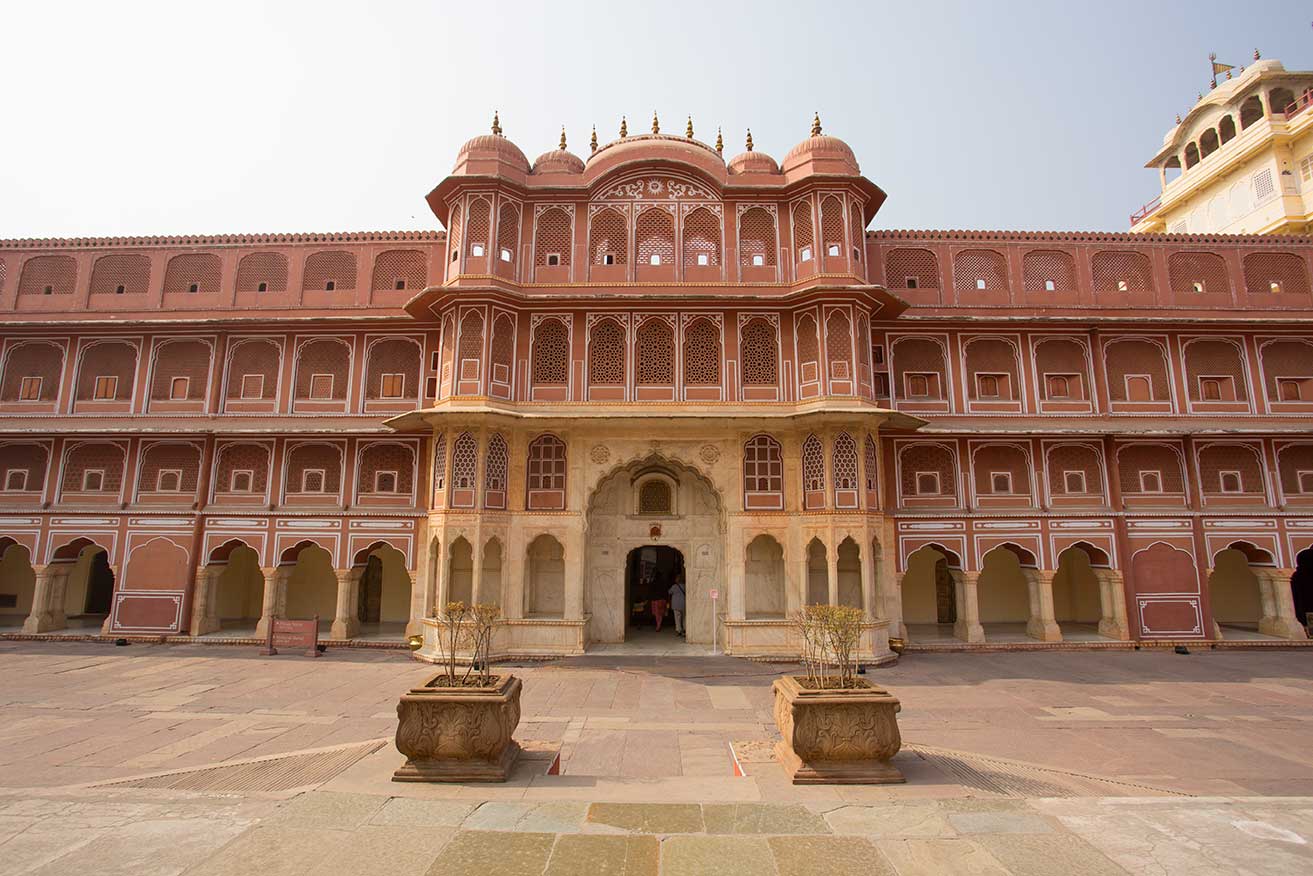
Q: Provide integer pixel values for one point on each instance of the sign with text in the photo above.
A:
(285, 633)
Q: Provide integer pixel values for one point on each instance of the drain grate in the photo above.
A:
(277, 773)
(1014, 779)
(1008, 783)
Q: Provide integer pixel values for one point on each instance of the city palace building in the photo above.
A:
(653, 363)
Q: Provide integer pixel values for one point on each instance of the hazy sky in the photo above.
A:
(182, 118)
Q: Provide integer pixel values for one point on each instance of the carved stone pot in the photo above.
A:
(837, 736)
(458, 734)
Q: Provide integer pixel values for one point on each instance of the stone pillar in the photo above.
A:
(832, 574)
(1275, 584)
(442, 584)
(274, 581)
(968, 627)
(870, 601)
(574, 577)
(204, 616)
(41, 619)
(346, 624)
(735, 598)
(893, 603)
(476, 574)
(1042, 624)
(1112, 603)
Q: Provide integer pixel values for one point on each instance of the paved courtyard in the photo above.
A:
(195, 759)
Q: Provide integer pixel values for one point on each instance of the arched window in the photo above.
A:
(464, 471)
(907, 268)
(546, 473)
(1048, 271)
(845, 471)
(803, 238)
(454, 234)
(392, 370)
(1121, 272)
(48, 275)
(832, 230)
(262, 272)
(508, 232)
(809, 349)
(980, 270)
(551, 353)
(478, 228)
(702, 353)
(608, 238)
(839, 345)
(656, 353)
(551, 242)
(656, 237)
(872, 472)
(757, 246)
(763, 473)
(813, 472)
(502, 349)
(606, 354)
(181, 371)
(399, 269)
(701, 239)
(330, 271)
(387, 468)
(760, 354)
(323, 370)
(120, 275)
(858, 231)
(654, 497)
(495, 472)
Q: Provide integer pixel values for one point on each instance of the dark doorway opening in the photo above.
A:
(371, 591)
(1301, 586)
(100, 585)
(649, 573)
(945, 598)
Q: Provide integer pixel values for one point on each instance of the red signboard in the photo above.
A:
(284, 633)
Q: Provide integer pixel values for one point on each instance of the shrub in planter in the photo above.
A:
(836, 727)
(457, 726)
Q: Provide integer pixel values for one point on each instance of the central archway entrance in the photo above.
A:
(674, 513)
(650, 572)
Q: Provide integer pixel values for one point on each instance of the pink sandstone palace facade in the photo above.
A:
(981, 436)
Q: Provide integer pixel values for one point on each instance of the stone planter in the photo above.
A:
(458, 734)
(837, 736)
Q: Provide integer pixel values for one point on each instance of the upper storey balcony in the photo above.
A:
(1239, 161)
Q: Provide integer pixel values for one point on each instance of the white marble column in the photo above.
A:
(968, 627)
(832, 574)
(274, 580)
(204, 616)
(1281, 622)
(1042, 624)
(346, 623)
(41, 619)
(1112, 604)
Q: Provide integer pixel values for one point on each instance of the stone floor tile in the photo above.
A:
(761, 818)
(716, 856)
(409, 811)
(999, 822)
(328, 809)
(391, 851)
(936, 857)
(648, 817)
(146, 848)
(1055, 854)
(581, 855)
(479, 853)
(828, 856)
(275, 850)
(26, 851)
(922, 819)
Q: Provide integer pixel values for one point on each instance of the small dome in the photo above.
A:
(493, 147)
(821, 146)
(558, 161)
(753, 162)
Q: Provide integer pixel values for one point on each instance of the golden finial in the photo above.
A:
(592, 143)
(1228, 75)
(749, 139)
(1178, 118)
(562, 146)
(816, 125)
(720, 141)
(688, 129)
(656, 124)
(1257, 56)
(496, 123)
(624, 127)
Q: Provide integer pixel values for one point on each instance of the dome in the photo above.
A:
(493, 147)
(753, 162)
(821, 146)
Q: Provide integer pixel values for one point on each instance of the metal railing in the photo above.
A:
(1146, 210)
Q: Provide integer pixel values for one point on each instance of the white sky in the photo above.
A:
(185, 118)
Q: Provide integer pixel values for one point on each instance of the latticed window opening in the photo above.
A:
(171, 468)
(656, 353)
(454, 233)
(120, 275)
(547, 463)
(104, 460)
(48, 275)
(864, 345)
(654, 497)
(1073, 470)
(606, 354)
(1295, 463)
(1230, 468)
(314, 468)
(760, 354)
(551, 353)
(464, 462)
(702, 353)
(845, 462)
(331, 271)
(1150, 468)
(503, 347)
(993, 359)
(906, 268)
(757, 241)
(1001, 469)
(262, 272)
(656, 237)
(1130, 364)
(1275, 273)
(803, 238)
(478, 227)
(702, 238)
(979, 270)
(111, 366)
(808, 341)
(494, 477)
(1048, 271)
(551, 242)
(400, 269)
(1217, 360)
(508, 232)
(1197, 273)
(813, 465)
(832, 226)
(869, 460)
(471, 335)
(1121, 272)
(440, 461)
(858, 226)
(193, 273)
(250, 460)
(609, 238)
(392, 369)
(253, 372)
(32, 372)
(185, 361)
(763, 465)
(23, 466)
(323, 363)
(920, 459)
(838, 344)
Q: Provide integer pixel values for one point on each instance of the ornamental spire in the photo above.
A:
(749, 139)
(656, 123)
(592, 142)
(624, 128)
(562, 146)
(816, 125)
(496, 123)
(720, 141)
(688, 129)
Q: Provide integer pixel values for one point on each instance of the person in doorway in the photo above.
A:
(677, 603)
(659, 607)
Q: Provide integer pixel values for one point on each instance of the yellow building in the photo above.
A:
(1240, 162)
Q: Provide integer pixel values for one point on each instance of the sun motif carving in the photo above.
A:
(709, 453)
(657, 189)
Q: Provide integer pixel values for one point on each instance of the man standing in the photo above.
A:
(677, 603)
